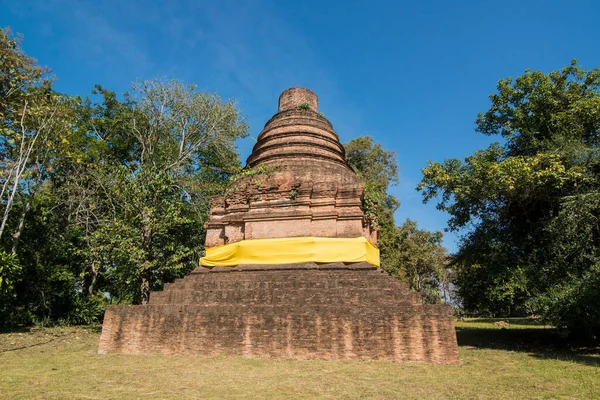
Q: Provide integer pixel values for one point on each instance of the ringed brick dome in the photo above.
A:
(298, 132)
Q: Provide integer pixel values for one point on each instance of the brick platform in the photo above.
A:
(300, 311)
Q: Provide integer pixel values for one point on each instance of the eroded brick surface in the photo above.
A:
(332, 312)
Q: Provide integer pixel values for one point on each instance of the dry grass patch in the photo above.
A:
(520, 360)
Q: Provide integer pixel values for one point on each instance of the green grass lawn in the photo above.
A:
(522, 360)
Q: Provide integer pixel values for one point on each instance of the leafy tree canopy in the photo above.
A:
(530, 205)
(408, 253)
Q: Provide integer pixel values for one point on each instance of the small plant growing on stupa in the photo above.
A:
(260, 170)
(304, 106)
(371, 200)
(293, 194)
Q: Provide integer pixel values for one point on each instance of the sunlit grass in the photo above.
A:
(522, 360)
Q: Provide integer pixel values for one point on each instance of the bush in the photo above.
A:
(10, 274)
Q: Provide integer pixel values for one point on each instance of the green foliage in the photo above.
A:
(304, 106)
(20, 78)
(10, 271)
(151, 239)
(571, 278)
(164, 152)
(34, 124)
(419, 259)
(412, 255)
(375, 165)
(378, 169)
(86, 310)
(247, 172)
(10, 274)
(530, 206)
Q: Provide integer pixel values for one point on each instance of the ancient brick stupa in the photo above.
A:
(291, 266)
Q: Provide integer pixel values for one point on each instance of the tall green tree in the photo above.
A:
(530, 205)
(422, 261)
(408, 253)
(378, 169)
(163, 152)
(33, 122)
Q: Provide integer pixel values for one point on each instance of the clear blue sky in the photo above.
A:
(412, 74)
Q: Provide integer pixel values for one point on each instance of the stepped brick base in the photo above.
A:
(300, 311)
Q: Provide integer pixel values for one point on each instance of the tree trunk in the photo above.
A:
(9, 204)
(145, 289)
(19, 232)
(146, 235)
(90, 290)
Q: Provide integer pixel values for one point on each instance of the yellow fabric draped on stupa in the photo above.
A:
(292, 251)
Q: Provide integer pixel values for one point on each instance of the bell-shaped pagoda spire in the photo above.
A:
(297, 183)
(297, 131)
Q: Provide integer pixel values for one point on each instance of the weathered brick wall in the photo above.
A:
(299, 311)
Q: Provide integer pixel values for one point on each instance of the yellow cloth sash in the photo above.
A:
(292, 251)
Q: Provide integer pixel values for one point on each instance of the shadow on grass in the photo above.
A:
(26, 347)
(38, 336)
(543, 343)
(16, 329)
(94, 328)
(514, 321)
